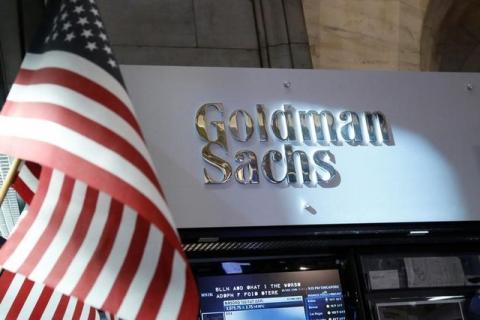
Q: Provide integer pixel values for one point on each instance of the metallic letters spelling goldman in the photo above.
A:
(291, 127)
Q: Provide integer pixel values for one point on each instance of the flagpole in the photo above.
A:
(11, 175)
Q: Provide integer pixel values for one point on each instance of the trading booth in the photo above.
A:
(320, 195)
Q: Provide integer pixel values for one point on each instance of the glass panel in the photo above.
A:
(399, 272)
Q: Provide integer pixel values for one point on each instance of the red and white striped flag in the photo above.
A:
(98, 228)
(24, 299)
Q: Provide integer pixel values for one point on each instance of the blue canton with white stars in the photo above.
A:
(76, 26)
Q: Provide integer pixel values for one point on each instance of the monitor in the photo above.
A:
(293, 295)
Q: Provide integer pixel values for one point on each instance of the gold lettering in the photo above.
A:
(324, 160)
(324, 126)
(278, 121)
(351, 130)
(304, 165)
(262, 122)
(201, 124)
(234, 125)
(378, 129)
(247, 171)
(215, 161)
(267, 166)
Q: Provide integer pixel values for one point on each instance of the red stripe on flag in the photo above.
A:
(159, 284)
(190, 299)
(92, 314)
(129, 267)
(25, 223)
(76, 240)
(81, 85)
(78, 310)
(100, 256)
(20, 299)
(42, 303)
(96, 177)
(34, 168)
(85, 127)
(23, 190)
(6, 279)
(61, 308)
(50, 232)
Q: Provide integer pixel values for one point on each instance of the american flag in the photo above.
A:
(98, 229)
(24, 299)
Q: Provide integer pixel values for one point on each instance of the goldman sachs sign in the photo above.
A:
(235, 147)
(299, 131)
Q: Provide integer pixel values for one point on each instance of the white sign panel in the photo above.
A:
(259, 147)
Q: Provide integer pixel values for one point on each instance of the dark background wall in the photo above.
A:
(268, 33)
(10, 49)
(18, 21)
(451, 36)
(233, 33)
(225, 33)
(246, 33)
(458, 46)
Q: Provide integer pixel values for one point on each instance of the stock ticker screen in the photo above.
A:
(296, 295)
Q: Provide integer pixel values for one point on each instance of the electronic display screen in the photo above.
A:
(296, 295)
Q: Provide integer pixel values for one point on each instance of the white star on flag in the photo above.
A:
(82, 21)
(87, 33)
(69, 37)
(79, 9)
(67, 26)
(112, 62)
(91, 46)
